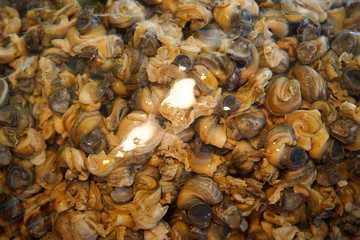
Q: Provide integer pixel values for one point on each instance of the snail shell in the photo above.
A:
(313, 85)
(124, 13)
(201, 187)
(211, 131)
(195, 198)
(283, 96)
(198, 15)
(233, 18)
(245, 125)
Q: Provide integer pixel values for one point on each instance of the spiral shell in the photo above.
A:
(179, 119)
(195, 13)
(305, 124)
(283, 96)
(313, 85)
(211, 132)
(201, 187)
(195, 197)
(124, 13)
(233, 18)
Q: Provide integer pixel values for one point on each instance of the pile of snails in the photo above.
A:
(179, 119)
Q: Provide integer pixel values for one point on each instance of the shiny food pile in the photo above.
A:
(178, 119)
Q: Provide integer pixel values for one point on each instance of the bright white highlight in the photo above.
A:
(137, 137)
(106, 161)
(181, 94)
(182, 68)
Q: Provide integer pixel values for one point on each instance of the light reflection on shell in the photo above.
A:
(177, 119)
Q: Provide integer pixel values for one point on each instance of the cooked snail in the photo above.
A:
(11, 214)
(177, 119)
(16, 117)
(196, 14)
(140, 133)
(245, 54)
(75, 160)
(39, 223)
(283, 96)
(313, 85)
(344, 130)
(311, 51)
(281, 148)
(31, 146)
(303, 122)
(328, 111)
(115, 113)
(211, 132)
(124, 13)
(243, 157)
(233, 18)
(346, 41)
(95, 93)
(195, 198)
(274, 57)
(20, 174)
(145, 37)
(86, 21)
(59, 101)
(48, 174)
(202, 160)
(307, 30)
(131, 69)
(350, 81)
(99, 164)
(245, 125)
(122, 194)
(226, 213)
(306, 175)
